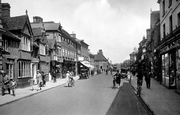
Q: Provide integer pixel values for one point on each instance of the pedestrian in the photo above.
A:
(53, 73)
(31, 83)
(13, 85)
(6, 82)
(118, 78)
(114, 82)
(139, 76)
(43, 78)
(39, 79)
(71, 80)
(67, 78)
(106, 71)
(148, 80)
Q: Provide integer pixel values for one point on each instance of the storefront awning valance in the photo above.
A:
(87, 64)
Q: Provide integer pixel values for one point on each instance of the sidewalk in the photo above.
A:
(161, 100)
(26, 92)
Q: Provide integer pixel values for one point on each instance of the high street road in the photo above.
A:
(93, 96)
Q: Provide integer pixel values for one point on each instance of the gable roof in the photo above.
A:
(99, 57)
(14, 23)
(11, 35)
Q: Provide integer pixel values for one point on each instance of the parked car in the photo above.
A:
(84, 74)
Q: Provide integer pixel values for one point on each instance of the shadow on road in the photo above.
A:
(127, 103)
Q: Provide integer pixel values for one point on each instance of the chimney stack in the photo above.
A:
(37, 19)
(5, 9)
(73, 35)
(100, 51)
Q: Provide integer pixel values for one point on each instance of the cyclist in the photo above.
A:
(139, 77)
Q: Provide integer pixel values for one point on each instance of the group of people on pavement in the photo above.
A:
(40, 80)
(8, 83)
(143, 69)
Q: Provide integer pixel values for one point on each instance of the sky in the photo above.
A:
(115, 26)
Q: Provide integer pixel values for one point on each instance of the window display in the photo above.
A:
(178, 69)
(165, 69)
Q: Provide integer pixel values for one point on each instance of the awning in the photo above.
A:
(87, 64)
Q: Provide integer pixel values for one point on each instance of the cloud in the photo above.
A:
(115, 26)
(109, 29)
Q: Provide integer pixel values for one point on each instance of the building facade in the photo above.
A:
(17, 52)
(101, 63)
(169, 42)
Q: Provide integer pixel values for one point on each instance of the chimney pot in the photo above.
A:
(5, 9)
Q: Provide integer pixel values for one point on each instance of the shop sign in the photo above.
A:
(80, 58)
(60, 59)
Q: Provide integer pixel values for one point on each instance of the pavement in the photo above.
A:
(26, 92)
(159, 99)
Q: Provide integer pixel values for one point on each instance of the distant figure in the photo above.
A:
(148, 80)
(106, 71)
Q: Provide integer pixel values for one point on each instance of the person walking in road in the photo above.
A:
(118, 78)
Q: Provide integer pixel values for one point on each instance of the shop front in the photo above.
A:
(170, 64)
(83, 69)
(68, 65)
(177, 79)
(56, 66)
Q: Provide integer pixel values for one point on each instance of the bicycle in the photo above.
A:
(139, 88)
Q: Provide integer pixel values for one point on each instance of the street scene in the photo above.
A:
(90, 57)
(88, 97)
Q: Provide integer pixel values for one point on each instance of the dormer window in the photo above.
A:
(25, 43)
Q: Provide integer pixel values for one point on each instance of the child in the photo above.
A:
(13, 86)
(31, 82)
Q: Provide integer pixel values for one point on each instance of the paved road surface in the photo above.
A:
(92, 96)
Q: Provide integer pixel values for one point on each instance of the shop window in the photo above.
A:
(165, 69)
(178, 69)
